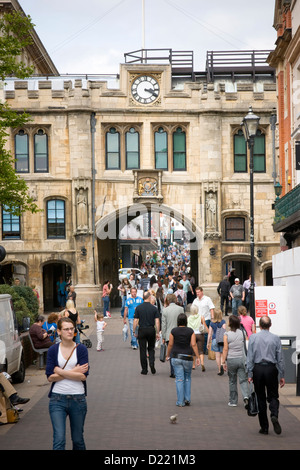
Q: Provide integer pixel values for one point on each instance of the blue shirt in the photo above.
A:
(265, 347)
(131, 304)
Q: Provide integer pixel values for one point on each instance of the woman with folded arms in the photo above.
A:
(182, 344)
(67, 370)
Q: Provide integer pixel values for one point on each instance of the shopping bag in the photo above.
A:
(211, 355)
(163, 352)
(125, 332)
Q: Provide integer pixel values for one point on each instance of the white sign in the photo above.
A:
(273, 301)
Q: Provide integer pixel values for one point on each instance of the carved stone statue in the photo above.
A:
(211, 212)
(81, 204)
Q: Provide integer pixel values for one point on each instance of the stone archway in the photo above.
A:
(109, 227)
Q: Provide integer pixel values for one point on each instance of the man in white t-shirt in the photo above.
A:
(205, 308)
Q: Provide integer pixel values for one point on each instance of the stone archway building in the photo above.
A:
(93, 149)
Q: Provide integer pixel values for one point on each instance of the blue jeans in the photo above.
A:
(183, 378)
(61, 406)
(206, 336)
(134, 342)
(235, 305)
(124, 298)
(105, 305)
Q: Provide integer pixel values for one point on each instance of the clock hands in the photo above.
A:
(151, 91)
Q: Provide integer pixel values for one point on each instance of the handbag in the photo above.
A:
(252, 409)
(12, 415)
(163, 352)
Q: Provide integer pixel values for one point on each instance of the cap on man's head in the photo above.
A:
(236, 279)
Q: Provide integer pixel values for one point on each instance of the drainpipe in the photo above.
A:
(273, 120)
(93, 130)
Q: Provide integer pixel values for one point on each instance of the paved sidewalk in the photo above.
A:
(129, 411)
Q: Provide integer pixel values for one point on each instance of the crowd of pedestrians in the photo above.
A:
(188, 322)
(164, 308)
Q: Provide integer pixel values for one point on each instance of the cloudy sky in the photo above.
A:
(92, 36)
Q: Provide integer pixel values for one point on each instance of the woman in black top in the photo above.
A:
(72, 313)
(182, 344)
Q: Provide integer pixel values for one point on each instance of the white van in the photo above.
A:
(11, 350)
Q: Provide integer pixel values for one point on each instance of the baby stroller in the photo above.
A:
(87, 342)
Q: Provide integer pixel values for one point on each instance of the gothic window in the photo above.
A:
(132, 149)
(31, 151)
(259, 153)
(161, 149)
(10, 225)
(240, 153)
(40, 152)
(22, 152)
(112, 149)
(56, 224)
(235, 229)
(179, 150)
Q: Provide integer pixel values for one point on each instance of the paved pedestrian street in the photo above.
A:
(128, 411)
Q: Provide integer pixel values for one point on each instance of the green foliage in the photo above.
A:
(15, 35)
(24, 301)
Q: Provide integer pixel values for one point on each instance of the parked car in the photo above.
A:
(11, 349)
(125, 272)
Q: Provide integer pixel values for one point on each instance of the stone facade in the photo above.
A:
(77, 117)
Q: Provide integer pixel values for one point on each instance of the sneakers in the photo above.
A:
(108, 314)
(232, 404)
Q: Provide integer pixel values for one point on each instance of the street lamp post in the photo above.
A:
(250, 125)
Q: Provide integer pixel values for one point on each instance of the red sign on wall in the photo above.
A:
(261, 308)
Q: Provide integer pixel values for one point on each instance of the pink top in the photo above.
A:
(247, 323)
(105, 290)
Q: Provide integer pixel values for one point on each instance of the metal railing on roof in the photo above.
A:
(238, 63)
(182, 62)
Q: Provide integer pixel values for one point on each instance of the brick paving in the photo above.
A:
(128, 411)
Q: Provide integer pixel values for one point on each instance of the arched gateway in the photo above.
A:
(109, 227)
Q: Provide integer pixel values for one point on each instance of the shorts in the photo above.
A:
(216, 347)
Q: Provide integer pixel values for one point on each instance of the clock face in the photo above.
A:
(145, 89)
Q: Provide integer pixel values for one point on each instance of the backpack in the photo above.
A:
(220, 331)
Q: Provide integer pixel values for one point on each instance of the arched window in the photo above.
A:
(56, 224)
(22, 152)
(161, 149)
(40, 152)
(112, 152)
(179, 149)
(132, 148)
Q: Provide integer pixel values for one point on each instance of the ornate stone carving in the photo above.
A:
(81, 211)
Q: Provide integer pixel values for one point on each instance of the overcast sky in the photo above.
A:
(92, 36)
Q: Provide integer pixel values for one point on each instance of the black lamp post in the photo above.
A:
(278, 190)
(250, 125)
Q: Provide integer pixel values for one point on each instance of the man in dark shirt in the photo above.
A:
(224, 293)
(147, 317)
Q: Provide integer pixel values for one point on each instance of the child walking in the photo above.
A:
(101, 324)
